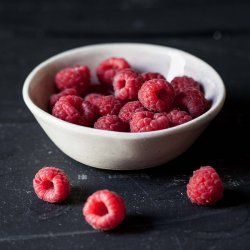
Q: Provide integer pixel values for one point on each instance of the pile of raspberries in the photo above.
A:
(125, 100)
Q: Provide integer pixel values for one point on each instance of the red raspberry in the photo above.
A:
(192, 101)
(129, 109)
(104, 210)
(146, 121)
(156, 95)
(92, 98)
(108, 105)
(109, 67)
(74, 110)
(77, 77)
(55, 97)
(126, 84)
(178, 117)
(51, 184)
(152, 75)
(111, 122)
(182, 83)
(205, 186)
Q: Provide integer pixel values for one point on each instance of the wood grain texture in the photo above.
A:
(159, 214)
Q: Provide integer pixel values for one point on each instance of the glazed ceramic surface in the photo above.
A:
(116, 150)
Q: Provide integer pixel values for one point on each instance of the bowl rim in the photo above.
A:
(38, 112)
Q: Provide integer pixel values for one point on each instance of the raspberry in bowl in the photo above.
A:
(181, 113)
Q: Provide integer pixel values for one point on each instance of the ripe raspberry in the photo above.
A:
(178, 117)
(205, 186)
(126, 84)
(112, 123)
(152, 75)
(146, 121)
(51, 184)
(192, 101)
(77, 77)
(109, 67)
(182, 83)
(74, 110)
(55, 97)
(156, 95)
(129, 109)
(104, 210)
(108, 105)
(92, 98)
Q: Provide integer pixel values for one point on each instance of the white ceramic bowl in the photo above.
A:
(116, 150)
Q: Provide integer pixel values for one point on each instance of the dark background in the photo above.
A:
(159, 214)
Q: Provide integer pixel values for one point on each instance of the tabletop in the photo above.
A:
(159, 214)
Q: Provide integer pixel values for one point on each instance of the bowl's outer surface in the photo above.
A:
(114, 150)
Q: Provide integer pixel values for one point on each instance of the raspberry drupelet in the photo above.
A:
(108, 69)
(74, 110)
(156, 95)
(104, 210)
(126, 84)
(146, 121)
(77, 77)
(51, 184)
(193, 101)
(183, 83)
(205, 186)
(129, 109)
(152, 75)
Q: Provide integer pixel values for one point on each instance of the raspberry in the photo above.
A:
(192, 101)
(108, 105)
(152, 75)
(51, 184)
(205, 186)
(178, 117)
(77, 77)
(156, 95)
(109, 67)
(111, 122)
(129, 109)
(126, 84)
(104, 210)
(146, 121)
(74, 110)
(92, 98)
(182, 83)
(54, 98)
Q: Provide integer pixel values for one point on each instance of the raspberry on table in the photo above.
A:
(183, 83)
(156, 95)
(193, 101)
(177, 117)
(146, 121)
(205, 186)
(127, 83)
(108, 105)
(77, 77)
(152, 75)
(129, 109)
(74, 110)
(112, 123)
(55, 97)
(51, 184)
(108, 69)
(104, 210)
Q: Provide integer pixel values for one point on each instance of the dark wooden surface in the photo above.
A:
(159, 213)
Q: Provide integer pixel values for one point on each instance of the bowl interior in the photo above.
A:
(167, 61)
